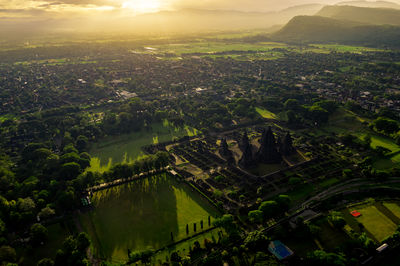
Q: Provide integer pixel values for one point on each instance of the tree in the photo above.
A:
(226, 222)
(386, 125)
(2, 227)
(81, 143)
(82, 242)
(318, 114)
(26, 205)
(256, 240)
(256, 216)
(366, 242)
(337, 219)
(45, 262)
(70, 170)
(294, 181)
(38, 234)
(269, 208)
(7, 254)
(143, 256)
(292, 104)
(320, 257)
(283, 201)
(314, 229)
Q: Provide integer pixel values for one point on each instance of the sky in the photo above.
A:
(35, 8)
(70, 8)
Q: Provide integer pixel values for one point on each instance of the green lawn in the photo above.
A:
(384, 142)
(329, 182)
(266, 114)
(393, 207)
(375, 222)
(215, 47)
(142, 215)
(396, 158)
(300, 193)
(126, 148)
(345, 48)
(387, 163)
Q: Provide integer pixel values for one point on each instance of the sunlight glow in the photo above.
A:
(142, 6)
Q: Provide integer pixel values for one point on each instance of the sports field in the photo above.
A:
(380, 220)
(142, 215)
(128, 147)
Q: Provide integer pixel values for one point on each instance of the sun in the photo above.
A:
(142, 6)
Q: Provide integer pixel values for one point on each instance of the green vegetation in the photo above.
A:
(266, 114)
(345, 48)
(393, 207)
(126, 148)
(183, 248)
(216, 47)
(56, 234)
(384, 142)
(142, 215)
(376, 223)
(301, 192)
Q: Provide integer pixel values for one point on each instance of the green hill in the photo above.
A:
(363, 3)
(307, 29)
(376, 16)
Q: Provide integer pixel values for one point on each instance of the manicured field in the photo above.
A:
(142, 214)
(345, 48)
(215, 47)
(393, 207)
(374, 221)
(126, 148)
(266, 114)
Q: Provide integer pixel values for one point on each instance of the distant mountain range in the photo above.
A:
(377, 16)
(312, 22)
(345, 24)
(200, 19)
(375, 4)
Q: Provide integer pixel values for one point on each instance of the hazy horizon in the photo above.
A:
(40, 9)
(24, 18)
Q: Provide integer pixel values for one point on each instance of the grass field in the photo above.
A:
(266, 114)
(142, 215)
(376, 223)
(393, 207)
(126, 148)
(345, 48)
(300, 193)
(215, 47)
(328, 182)
(384, 142)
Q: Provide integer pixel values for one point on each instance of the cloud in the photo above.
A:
(246, 5)
(81, 2)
